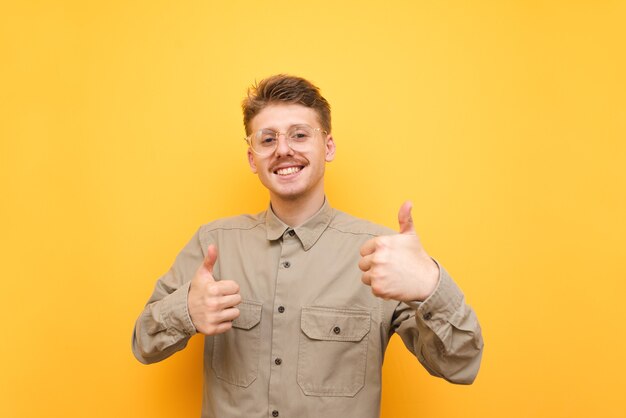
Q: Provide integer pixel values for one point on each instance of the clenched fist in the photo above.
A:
(212, 303)
(396, 266)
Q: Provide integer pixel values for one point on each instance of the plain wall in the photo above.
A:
(503, 121)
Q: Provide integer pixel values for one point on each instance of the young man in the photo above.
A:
(298, 303)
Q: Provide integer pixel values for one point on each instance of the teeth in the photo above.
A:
(287, 171)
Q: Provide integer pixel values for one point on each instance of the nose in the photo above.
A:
(282, 146)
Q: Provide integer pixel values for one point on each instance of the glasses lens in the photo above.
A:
(299, 138)
(264, 141)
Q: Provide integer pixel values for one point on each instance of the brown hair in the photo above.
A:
(285, 89)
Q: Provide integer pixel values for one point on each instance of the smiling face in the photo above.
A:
(287, 174)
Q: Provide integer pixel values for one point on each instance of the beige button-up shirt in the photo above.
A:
(311, 337)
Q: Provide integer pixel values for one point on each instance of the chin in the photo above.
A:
(289, 195)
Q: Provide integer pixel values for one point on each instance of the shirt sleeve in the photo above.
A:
(164, 326)
(442, 332)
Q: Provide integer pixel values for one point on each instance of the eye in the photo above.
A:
(300, 134)
(266, 138)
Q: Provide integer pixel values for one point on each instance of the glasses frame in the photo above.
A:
(248, 139)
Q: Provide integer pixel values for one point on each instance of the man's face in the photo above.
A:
(287, 174)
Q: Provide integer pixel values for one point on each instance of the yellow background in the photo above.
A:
(503, 121)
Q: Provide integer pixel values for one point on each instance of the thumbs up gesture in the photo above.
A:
(211, 303)
(397, 266)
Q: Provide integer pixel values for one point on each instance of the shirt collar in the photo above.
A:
(308, 233)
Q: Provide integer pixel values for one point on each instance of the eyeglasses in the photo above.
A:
(299, 138)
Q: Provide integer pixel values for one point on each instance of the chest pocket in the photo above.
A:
(332, 354)
(236, 352)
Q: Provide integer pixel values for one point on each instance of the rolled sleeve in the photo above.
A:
(175, 311)
(443, 332)
(165, 325)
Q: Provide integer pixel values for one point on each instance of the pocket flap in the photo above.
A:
(335, 324)
(249, 314)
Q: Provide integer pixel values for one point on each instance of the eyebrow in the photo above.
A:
(297, 125)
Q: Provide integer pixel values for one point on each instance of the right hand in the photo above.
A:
(212, 303)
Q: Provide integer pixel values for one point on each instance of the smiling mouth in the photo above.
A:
(288, 170)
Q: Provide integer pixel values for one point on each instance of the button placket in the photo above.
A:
(285, 281)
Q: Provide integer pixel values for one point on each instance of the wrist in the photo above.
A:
(430, 280)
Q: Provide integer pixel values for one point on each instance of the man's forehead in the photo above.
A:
(283, 116)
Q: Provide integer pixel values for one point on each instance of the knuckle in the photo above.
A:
(377, 288)
(209, 329)
(226, 326)
(214, 289)
(376, 272)
(229, 286)
(379, 258)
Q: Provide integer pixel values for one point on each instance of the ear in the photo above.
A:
(330, 148)
(251, 161)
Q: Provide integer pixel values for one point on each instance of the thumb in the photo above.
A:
(211, 257)
(405, 220)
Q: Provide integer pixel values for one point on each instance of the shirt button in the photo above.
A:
(286, 264)
(274, 413)
(336, 330)
(292, 233)
(428, 315)
(281, 309)
(278, 361)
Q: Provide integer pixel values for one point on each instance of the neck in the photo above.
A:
(295, 212)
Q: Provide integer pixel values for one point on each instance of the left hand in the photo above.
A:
(397, 266)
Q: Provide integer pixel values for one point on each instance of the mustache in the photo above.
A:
(287, 163)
